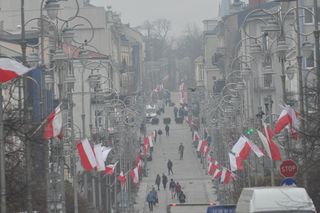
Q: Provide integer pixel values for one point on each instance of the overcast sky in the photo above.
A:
(179, 12)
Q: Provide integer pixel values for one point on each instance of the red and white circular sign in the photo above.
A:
(288, 168)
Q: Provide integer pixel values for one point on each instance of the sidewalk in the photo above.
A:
(188, 172)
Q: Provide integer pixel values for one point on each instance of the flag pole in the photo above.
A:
(2, 160)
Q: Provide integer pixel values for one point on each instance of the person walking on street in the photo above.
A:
(158, 181)
(155, 196)
(170, 165)
(155, 135)
(167, 128)
(164, 181)
(175, 112)
(178, 189)
(150, 200)
(181, 149)
(159, 133)
(182, 197)
(172, 187)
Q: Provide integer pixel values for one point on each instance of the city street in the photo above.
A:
(188, 172)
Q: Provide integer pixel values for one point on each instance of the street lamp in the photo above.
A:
(52, 8)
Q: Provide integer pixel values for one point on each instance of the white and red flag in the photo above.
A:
(196, 136)
(226, 176)
(235, 162)
(201, 146)
(11, 69)
(109, 170)
(54, 124)
(255, 149)
(134, 174)
(122, 178)
(101, 153)
(86, 154)
(213, 166)
(241, 148)
(288, 116)
(270, 147)
(216, 174)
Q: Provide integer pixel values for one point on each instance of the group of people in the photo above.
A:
(176, 191)
(180, 112)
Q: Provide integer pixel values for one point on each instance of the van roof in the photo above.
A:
(265, 199)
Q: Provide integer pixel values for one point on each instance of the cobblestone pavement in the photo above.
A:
(188, 172)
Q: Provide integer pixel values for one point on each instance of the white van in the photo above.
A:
(275, 200)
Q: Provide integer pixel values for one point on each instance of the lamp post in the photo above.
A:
(2, 159)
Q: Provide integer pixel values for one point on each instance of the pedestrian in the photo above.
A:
(178, 189)
(155, 135)
(170, 165)
(182, 197)
(159, 133)
(172, 187)
(167, 128)
(181, 149)
(150, 200)
(155, 196)
(175, 112)
(158, 181)
(164, 181)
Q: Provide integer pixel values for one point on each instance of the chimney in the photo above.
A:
(256, 3)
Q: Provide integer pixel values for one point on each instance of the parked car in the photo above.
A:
(151, 112)
(275, 199)
(221, 209)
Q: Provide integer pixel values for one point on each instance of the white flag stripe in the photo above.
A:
(233, 162)
(255, 149)
(265, 143)
(99, 157)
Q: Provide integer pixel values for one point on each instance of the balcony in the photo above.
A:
(264, 84)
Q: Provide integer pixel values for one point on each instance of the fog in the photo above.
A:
(179, 12)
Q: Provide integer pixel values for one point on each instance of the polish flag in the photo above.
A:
(196, 136)
(122, 178)
(101, 153)
(87, 156)
(288, 116)
(206, 150)
(109, 170)
(235, 162)
(138, 162)
(213, 167)
(255, 149)
(134, 174)
(216, 174)
(241, 148)
(225, 176)
(271, 148)
(11, 69)
(203, 146)
(54, 124)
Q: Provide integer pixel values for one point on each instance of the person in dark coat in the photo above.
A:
(167, 128)
(158, 181)
(181, 150)
(151, 200)
(164, 181)
(175, 112)
(182, 197)
(170, 165)
(159, 133)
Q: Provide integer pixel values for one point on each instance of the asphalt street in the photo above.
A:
(188, 172)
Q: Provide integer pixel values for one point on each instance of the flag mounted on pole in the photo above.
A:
(87, 156)
(11, 69)
(54, 124)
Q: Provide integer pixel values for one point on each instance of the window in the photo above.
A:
(310, 61)
(308, 16)
(267, 80)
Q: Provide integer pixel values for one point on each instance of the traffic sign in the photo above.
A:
(288, 182)
(288, 168)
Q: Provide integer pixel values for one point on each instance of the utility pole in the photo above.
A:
(2, 160)
(317, 52)
(26, 112)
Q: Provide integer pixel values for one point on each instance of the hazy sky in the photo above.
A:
(179, 12)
